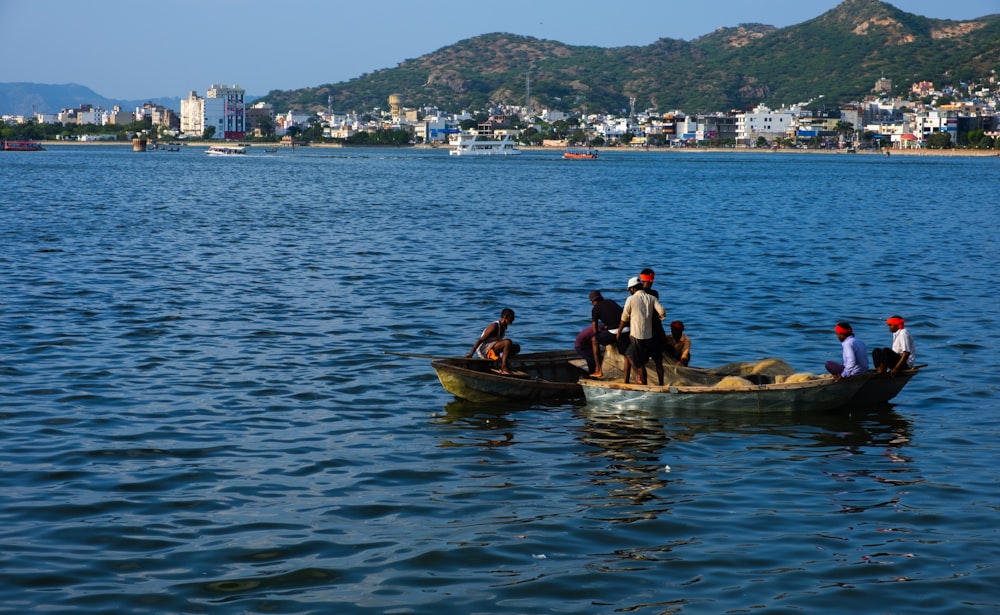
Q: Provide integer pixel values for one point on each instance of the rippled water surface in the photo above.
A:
(198, 415)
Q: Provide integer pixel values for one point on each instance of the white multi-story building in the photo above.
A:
(89, 116)
(763, 122)
(225, 110)
(929, 122)
(222, 108)
(686, 128)
(193, 115)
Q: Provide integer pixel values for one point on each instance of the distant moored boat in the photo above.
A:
(477, 144)
(223, 150)
(22, 146)
(575, 153)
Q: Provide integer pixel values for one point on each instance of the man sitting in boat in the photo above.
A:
(678, 344)
(854, 354)
(493, 345)
(900, 356)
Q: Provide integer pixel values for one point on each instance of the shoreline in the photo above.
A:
(533, 148)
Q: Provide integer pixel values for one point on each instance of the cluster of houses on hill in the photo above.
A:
(891, 122)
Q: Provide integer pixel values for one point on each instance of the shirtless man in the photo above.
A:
(493, 345)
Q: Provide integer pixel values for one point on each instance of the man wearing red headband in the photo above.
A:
(659, 346)
(854, 354)
(679, 344)
(901, 355)
(641, 309)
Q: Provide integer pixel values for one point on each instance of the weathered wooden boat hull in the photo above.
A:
(880, 388)
(550, 375)
(811, 395)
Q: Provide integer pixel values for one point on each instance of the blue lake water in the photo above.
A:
(197, 413)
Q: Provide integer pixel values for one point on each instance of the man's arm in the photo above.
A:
(850, 361)
(659, 308)
(903, 358)
(626, 317)
(482, 338)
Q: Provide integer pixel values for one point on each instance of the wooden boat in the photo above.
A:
(880, 388)
(580, 154)
(543, 375)
(822, 393)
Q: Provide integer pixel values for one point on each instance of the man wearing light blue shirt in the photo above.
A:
(855, 355)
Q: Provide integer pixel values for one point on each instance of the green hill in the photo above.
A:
(839, 55)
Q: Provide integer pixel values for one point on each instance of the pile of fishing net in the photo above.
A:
(731, 375)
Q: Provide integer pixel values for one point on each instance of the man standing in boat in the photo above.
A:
(493, 345)
(648, 276)
(854, 354)
(640, 310)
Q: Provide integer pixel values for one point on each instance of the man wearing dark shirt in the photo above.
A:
(605, 314)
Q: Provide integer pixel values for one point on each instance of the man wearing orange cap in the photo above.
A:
(854, 354)
(900, 356)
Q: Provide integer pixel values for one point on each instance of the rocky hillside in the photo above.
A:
(839, 55)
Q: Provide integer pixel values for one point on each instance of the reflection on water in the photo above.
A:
(639, 447)
(643, 458)
(631, 448)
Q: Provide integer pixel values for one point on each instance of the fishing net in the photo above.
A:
(729, 375)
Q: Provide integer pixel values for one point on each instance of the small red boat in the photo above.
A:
(22, 146)
(581, 154)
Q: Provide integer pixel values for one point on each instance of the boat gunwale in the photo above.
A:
(820, 382)
(815, 395)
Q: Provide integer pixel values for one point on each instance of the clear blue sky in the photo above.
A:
(132, 49)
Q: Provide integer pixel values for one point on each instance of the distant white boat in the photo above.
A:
(224, 150)
(475, 144)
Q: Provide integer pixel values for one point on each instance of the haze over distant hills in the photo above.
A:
(839, 55)
(26, 98)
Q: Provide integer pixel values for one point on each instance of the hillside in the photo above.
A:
(839, 55)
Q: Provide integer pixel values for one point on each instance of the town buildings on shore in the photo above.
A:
(221, 112)
(894, 122)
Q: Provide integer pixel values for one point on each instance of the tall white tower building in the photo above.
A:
(224, 109)
(193, 115)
